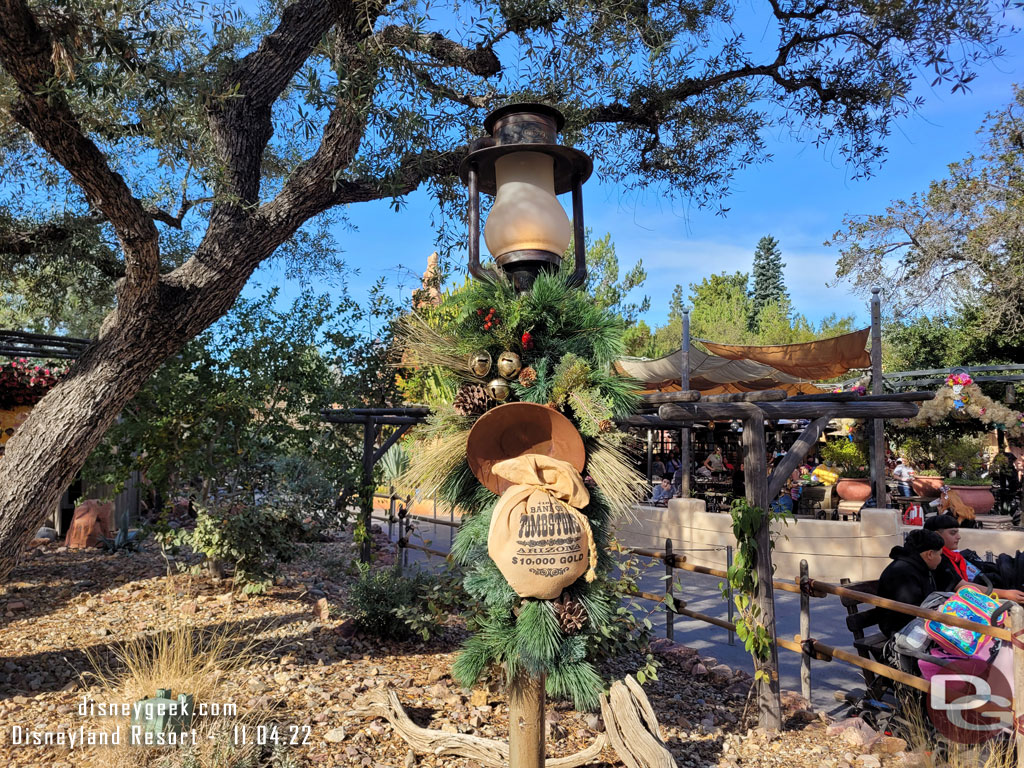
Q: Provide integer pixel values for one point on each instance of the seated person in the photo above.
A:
(663, 492)
(658, 465)
(955, 570)
(909, 578)
(714, 462)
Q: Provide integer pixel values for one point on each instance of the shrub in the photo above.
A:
(254, 539)
(387, 604)
(849, 455)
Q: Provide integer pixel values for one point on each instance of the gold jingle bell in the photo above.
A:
(480, 362)
(498, 389)
(509, 364)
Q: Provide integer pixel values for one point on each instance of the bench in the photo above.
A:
(861, 617)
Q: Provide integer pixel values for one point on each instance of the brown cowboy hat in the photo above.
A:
(515, 429)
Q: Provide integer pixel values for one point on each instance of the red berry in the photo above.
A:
(480, 311)
(487, 326)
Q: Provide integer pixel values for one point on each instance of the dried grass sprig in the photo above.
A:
(433, 459)
(615, 473)
(418, 344)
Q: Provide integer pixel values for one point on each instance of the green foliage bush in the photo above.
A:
(387, 604)
(252, 538)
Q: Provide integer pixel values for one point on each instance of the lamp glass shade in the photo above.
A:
(526, 215)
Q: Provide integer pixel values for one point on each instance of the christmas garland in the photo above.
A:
(552, 346)
(963, 398)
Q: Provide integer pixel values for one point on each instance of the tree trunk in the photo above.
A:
(42, 457)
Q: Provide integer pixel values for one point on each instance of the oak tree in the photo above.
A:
(202, 139)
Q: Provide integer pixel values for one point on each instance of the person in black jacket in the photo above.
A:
(909, 578)
(955, 570)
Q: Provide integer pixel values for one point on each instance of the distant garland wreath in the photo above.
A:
(963, 398)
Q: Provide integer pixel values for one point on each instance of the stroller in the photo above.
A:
(899, 709)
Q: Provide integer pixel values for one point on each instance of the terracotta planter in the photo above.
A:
(927, 486)
(854, 488)
(978, 496)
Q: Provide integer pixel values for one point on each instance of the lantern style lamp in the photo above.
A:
(521, 163)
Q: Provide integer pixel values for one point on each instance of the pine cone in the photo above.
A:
(470, 400)
(527, 377)
(606, 425)
(572, 616)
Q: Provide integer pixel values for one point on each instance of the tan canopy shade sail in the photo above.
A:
(812, 360)
(711, 374)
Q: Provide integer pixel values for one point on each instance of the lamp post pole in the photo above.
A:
(518, 133)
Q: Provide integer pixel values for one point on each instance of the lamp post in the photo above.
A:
(521, 164)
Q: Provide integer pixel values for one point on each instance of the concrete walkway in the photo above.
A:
(703, 594)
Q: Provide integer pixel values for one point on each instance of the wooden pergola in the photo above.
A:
(679, 410)
(41, 345)
(373, 421)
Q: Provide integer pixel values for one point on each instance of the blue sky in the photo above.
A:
(800, 198)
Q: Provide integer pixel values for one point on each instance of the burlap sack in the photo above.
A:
(538, 538)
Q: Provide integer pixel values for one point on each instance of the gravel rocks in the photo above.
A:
(312, 664)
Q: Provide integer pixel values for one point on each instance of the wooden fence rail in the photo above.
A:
(803, 643)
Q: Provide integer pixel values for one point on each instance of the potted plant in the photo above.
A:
(963, 457)
(928, 483)
(851, 458)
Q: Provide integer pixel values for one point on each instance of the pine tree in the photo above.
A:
(768, 284)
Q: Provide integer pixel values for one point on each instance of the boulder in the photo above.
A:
(46, 533)
(93, 518)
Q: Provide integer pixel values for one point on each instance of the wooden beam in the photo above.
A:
(761, 396)
(826, 397)
(685, 396)
(393, 438)
(796, 454)
(684, 433)
(877, 456)
(690, 412)
(755, 462)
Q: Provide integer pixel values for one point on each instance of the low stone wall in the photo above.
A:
(834, 549)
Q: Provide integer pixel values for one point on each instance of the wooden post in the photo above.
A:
(755, 472)
(878, 436)
(526, 721)
(805, 632)
(670, 614)
(650, 454)
(1017, 628)
(367, 494)
(684, 382)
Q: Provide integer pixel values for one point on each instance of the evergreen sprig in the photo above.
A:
(571, 345)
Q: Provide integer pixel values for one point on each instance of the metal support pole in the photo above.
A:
(400, 560)
(878, 438)
(805, 632)
(684, 382)
(670, 614)
(728, 593)
(407, 525)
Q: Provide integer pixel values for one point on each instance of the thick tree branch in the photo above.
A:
(175, 221)
(476, 61)
(443, 91)
(241, 122)
(26, 54)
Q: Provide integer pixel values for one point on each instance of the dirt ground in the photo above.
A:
(64, 614)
